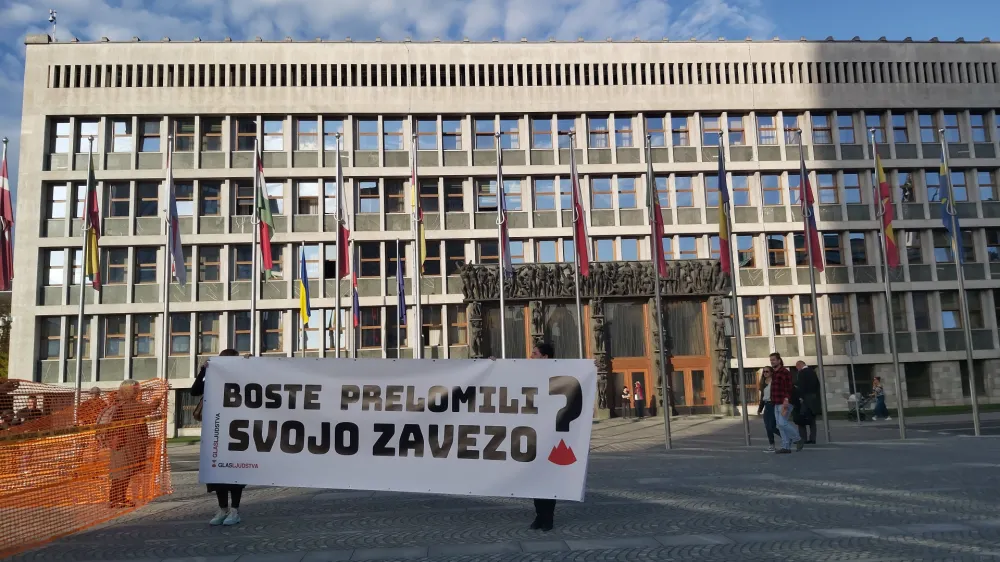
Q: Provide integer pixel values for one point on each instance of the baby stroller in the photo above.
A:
(857, 405)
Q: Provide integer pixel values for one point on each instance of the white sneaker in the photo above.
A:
(233, 518)
(770, 449)
(887, 418)
(220, 516)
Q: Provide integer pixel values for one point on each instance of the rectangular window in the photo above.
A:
(859, 250)
(899, 312)
(241, 331)
(427, 134)
(454, 253)
(875, 121)
(368, 197)
(242, 262)
(751, 317)
(544, 194)
(942, 247)
(845, 128)
(332, 127)
(832, 249)
(510, 136)
(959, 190)
(987, 182)
(211, 134)
(564, 126)
(370, 258)
(900, 130)
(866, 313)
(50, 338)
(367, 134)
(770, 185)
(627, 198)
(827, 188)
(55, 269)
(921, 312)
(746, 254)
(71, 338)
(656, 131)
(61, 138)
(512, 194)
(852, 188)
(271, 331)
(246, 133)
(393, 196)
(951, 315)
(89, 128)
(451, 134)
(147, 199)
(993, 245)
(604, 249)
(117, 266)
(793, 128)
(485, 129)
(712, 191)
(601, 194)
(598, 129)
(822, 129)
(121, 130)
(143, 335)
(840, 314)
(114, 336)
(371, 327)
(687, 247)
(680, 126)
(458, 325)
(209, 264)
(119, 199)
(667, 243)
(541, 133)
(274, 134)
(306, 134)
(977, 122)
(432, 330)
(767, 129)
(928, 128)
(184, 134)
(210, 193)
(952, 131)
(711, 130)
(740, 185)
(623, 132)
(546, 251)
(392, 134)
(629, 249)
(429, 196)
(975, 303)
(684, 190)
(737, 130)
(184, 196)
(145, 265)
(808, 318)
(149, 141)
(776, 254)
(57, 202)
(454, 195)
(784, 318)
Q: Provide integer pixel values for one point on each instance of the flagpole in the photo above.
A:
(304, 280)
(418, 344)
(806, 211)
(576, 253)
(83, 276)
(880, 210)
(956, 248)
(336, 298)
(165, 344)
(401, 313)
(254, 263)
(355, 329)
(658, 301)
(737, 325)
(501, 253)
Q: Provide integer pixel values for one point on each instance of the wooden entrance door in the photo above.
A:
(628, 371)
(691, 383)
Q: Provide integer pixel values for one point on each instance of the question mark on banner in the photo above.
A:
(569, 387)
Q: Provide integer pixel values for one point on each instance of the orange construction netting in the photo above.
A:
(65, 468)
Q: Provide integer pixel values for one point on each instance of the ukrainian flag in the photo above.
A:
(304, 309)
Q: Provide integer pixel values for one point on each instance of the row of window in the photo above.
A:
(618, 191)
(448, 255)
(543, 132)
(201, 332)
(789, 315)
(232, 75)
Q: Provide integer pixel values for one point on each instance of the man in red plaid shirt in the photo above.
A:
(781, 397)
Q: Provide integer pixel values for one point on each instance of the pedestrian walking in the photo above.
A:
(879, 393)
(807, 401)
(228, 495)
(781, 395)
(626, 402)
(766, 408)
(640, 400)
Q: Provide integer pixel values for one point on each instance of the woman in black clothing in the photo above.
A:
(228, 513)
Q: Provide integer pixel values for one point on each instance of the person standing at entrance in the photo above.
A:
(807, 391)
(766, 407)
(781, 396)
(626, 402)
(545, 509)
(640, 400)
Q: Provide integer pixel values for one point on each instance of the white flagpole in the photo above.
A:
(502, 251)
(418, 344)
(655, 240)
(880, 206)
(254, 262)
(399, 313)
(340, 205)
(355, 330)
(578, 195)
(83, 276)
(956, 248)
(167, 258)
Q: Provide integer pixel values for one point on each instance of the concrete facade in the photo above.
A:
(131, 96)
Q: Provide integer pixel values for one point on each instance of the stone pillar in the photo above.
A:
(601, 357)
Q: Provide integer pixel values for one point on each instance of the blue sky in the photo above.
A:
(475, 19)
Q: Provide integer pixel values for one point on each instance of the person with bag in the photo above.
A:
(128, 439)
(766, 408)
(228, 495)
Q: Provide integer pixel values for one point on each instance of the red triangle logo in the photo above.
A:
(562, 455)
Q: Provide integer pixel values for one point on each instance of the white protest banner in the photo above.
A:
(516, 428)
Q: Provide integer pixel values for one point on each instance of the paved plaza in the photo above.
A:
(866, 497)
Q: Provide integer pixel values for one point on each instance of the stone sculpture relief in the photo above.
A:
(720, 350)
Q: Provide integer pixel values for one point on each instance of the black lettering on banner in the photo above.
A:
(311, 401)
(254, 395)
(345, 439)
(528, 452)
(487, 406)
(292, 437)
(467, 442)
(322, 446)
(570, 388)
(441, 445)
(273, 394)
(411, 439)
(507, 405)
(371, 396)
(349, 394)
(467, 395)
(231, 395)
(393, 398)
(492, 451)
(381, 447)
(437, 399)
(413, 403)
(239, 438)
(529, 400)
(261, 443)
(292, 390)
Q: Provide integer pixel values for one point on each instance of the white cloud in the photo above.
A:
(362, 20)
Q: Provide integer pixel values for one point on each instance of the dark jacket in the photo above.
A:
(807, 391)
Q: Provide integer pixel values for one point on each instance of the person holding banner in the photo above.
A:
(228, 513)
(545, 509)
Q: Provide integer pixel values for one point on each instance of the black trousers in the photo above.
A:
(545, 510)
(811, 433)
(223, 493)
